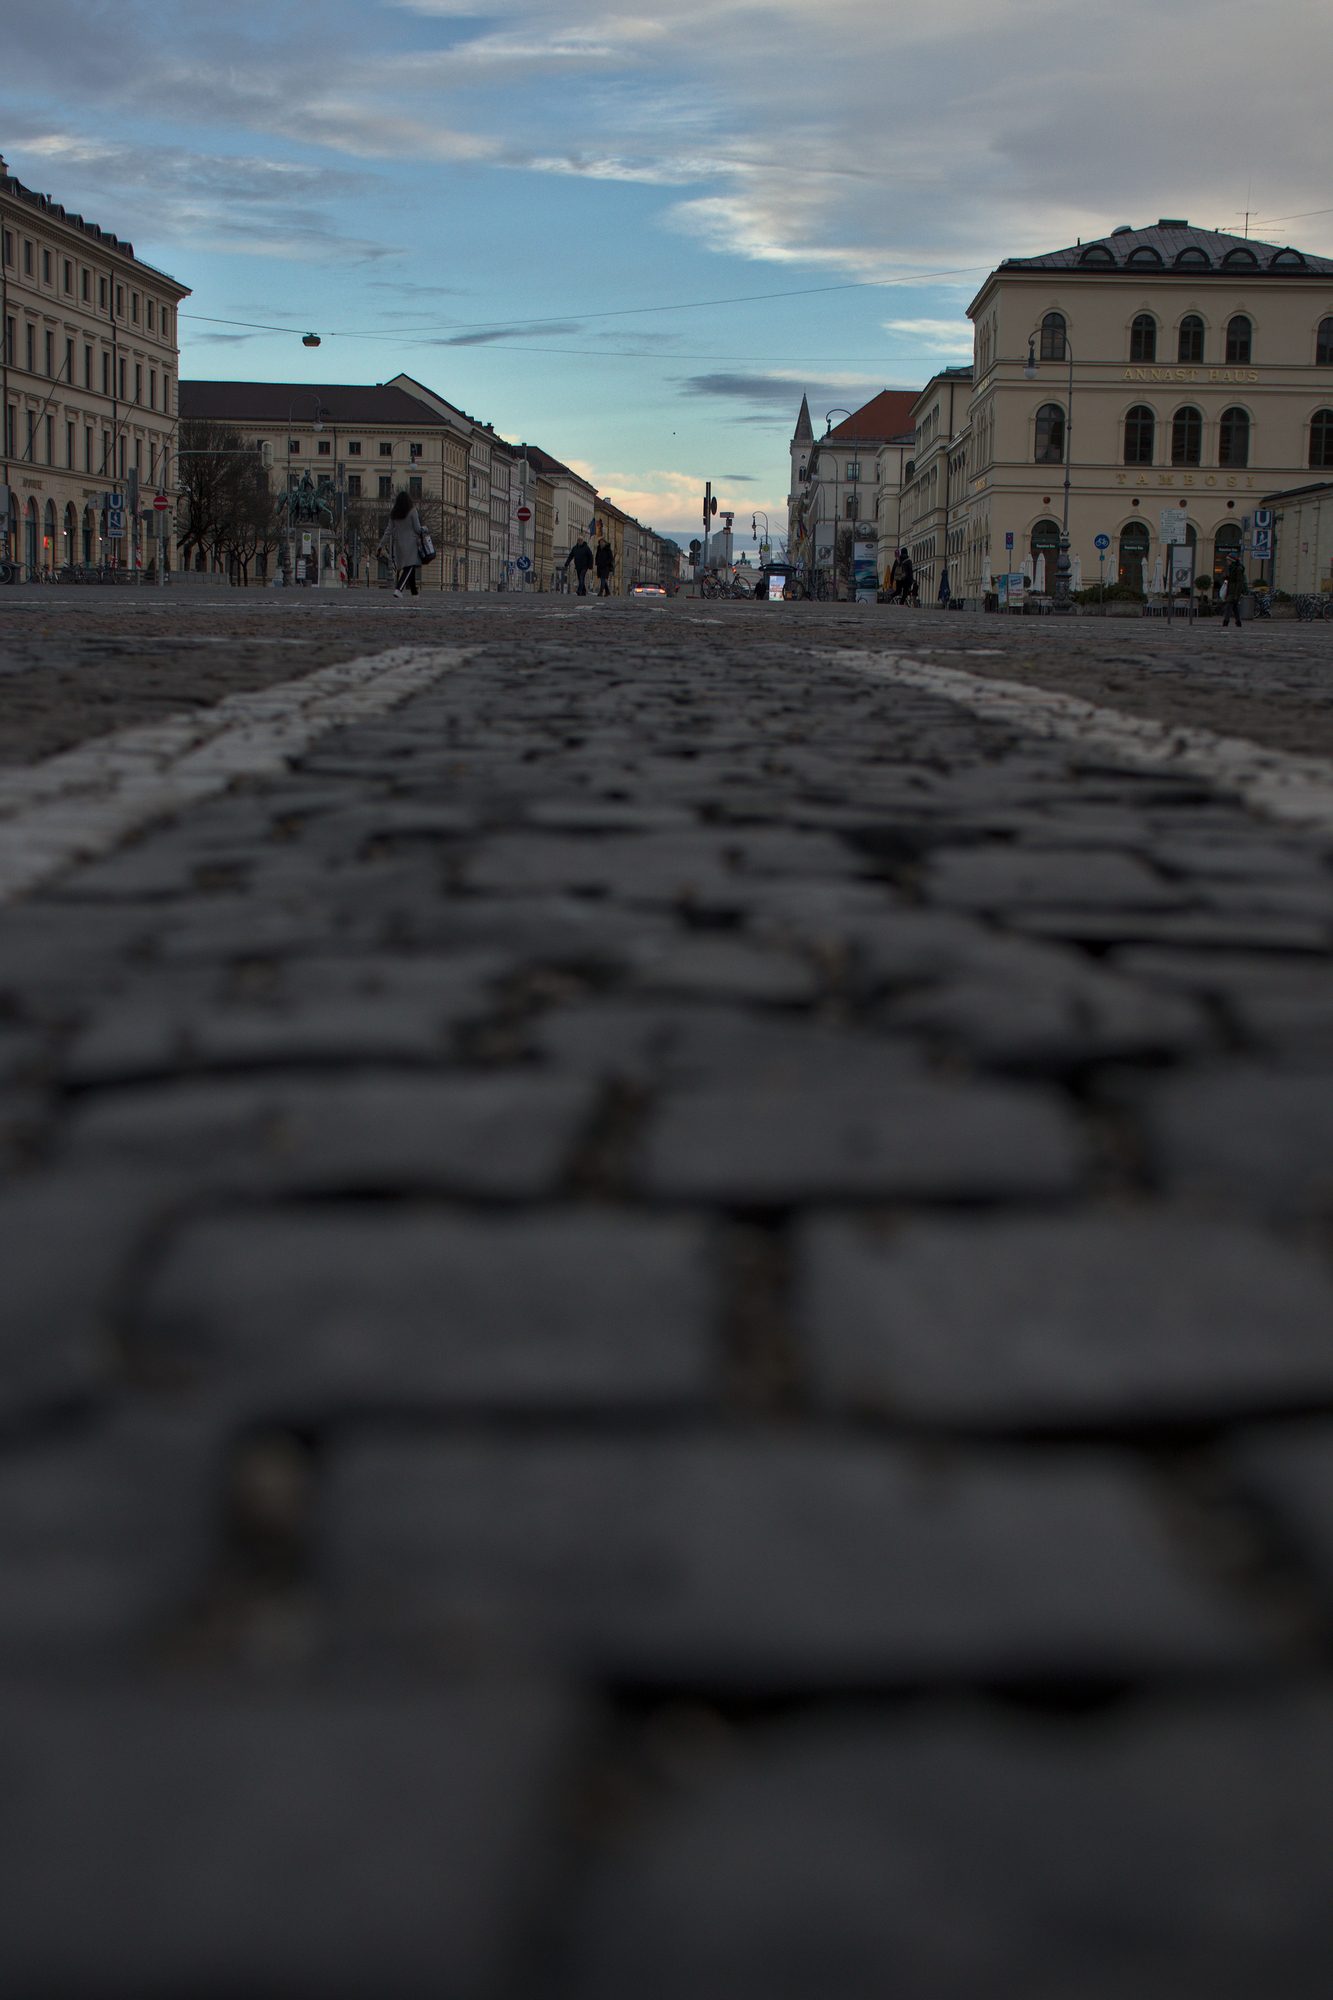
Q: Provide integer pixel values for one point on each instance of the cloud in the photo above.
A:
(936, 336)
(777, 396)
(485, 336)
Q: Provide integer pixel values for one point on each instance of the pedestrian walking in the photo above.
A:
(606, 562)
(1235, 585)
(906, 578)
(401, 543)
(581, 557)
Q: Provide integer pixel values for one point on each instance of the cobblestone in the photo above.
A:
(664, 1294)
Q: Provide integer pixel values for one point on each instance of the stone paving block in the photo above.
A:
(507, 1135)
(762, 1564)
(655, 1043)
(132, 1042)
(1113, 1320)
(1203, 930)
(68, 1240)
(1249, 1135)
(914, 1139)
(312, 1312)
(1004, 878)
(951, 1856)
(1080, 1016)
(161, 1843)
(650, 868)
(727, 968)
(107, 1535)
(1288, 1470)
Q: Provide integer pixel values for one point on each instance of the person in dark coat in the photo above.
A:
(581, 557)
(606, 562)
(1237, 586)
(402, 544)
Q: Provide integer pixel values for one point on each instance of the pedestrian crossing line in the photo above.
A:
(79, 805)
(1296, 789)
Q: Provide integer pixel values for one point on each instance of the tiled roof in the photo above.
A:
(10, 184)
(294, 402)
(1175, 246)
(887, 415)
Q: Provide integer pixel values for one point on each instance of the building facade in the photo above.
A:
(845, 484)
(934, 490)
(89, 369)
(1166, 367)
(360, 446)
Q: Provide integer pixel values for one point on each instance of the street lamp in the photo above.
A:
(754, 525)
(1062, 598)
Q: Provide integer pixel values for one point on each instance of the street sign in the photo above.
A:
(1263, 517)
(1173, 524)
(525, 513)
(1101, 541)
(161, 502)
(1009, 538)
(523, 562)
(115, 524)
(1261, 545)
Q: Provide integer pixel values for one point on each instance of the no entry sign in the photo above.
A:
(525, 513)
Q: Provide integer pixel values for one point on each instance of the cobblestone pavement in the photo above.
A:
(667, 1323)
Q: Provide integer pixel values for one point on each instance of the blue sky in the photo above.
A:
(576, 221)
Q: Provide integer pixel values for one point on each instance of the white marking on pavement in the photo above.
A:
(84, 802)
(1299, 789)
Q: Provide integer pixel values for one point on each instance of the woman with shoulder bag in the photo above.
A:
(402, 544)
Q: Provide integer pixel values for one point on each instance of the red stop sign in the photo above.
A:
(525, 513)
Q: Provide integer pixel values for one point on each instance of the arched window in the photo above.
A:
(1046, 542)
(1096, 253)
(1323, 345)
(50, 553)
(1133, 554)
(70, 552)
(1240, 338)
(1144, 254)
(1186, 436)
(1143, 338)
(1226, 548)
(32, 536)
(1190, 344)
(1192, 254)
(1053, 337)
(89, 533)
(1140, 428)
(1236, 259)
(1321, 438)
(1049, 447)
(1233, 437)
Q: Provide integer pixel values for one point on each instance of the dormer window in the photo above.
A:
(1193, 258)
(1097, 253)
(1240, 259)
(1145, 254)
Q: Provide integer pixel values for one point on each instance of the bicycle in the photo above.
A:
(1313, 605)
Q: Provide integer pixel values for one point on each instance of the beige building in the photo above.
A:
(89, 364)
(1302, 538)
(1165, 368)
(573, 504)
(935, 484)
(846, 485)
(360, 445)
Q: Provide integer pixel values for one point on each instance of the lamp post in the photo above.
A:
(754, 528)
(1062, 598)
(829, 415)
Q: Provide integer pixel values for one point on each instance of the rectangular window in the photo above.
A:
(325, 448)
(101, 293)
(69, 275)
(122, 458)
(386, 451)
(27, 258)
(293, 446)
(46, 267)
(354, 449)
(32, 436)
(9, 247)
(853, 468)
(10, 447)
(386, 486)
(166, 394)
(414, 485)
(106, 373)
(122, 378)
(86, 286)
(120, 301)
(138, 456)
(69, 446)
(69, 362)
(150, 309)
(415, 451)
(850, 506)
(11, 352)
(50, 353)
(152, 388)
(30, 343)
(138, 382)
(105, 466)
(134, 307)
(87, 447)
(354, 485)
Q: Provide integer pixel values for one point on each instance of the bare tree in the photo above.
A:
(221, 480)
